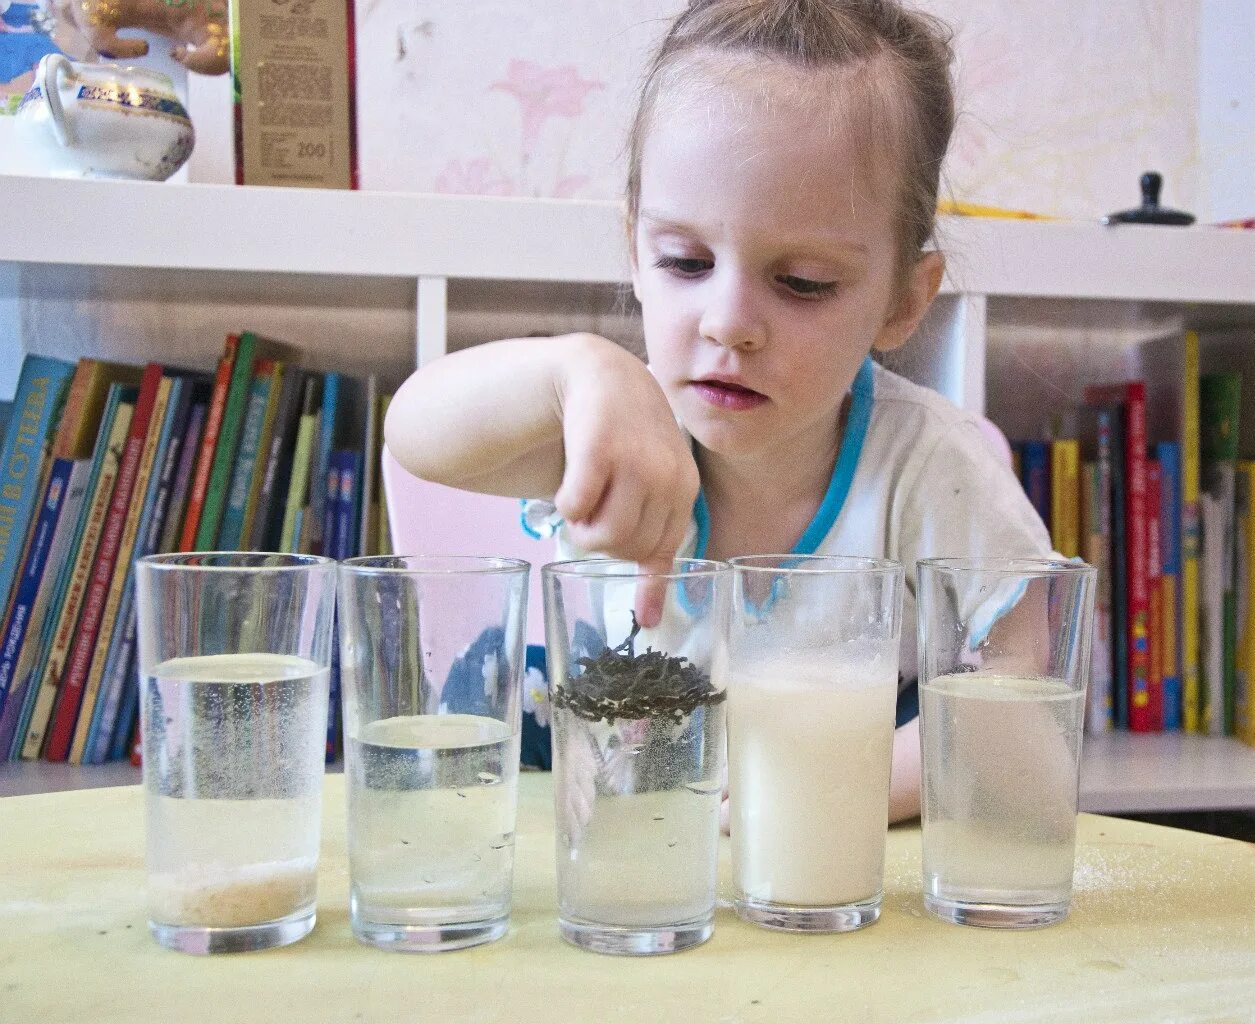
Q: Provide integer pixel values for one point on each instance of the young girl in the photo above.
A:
(782, 182)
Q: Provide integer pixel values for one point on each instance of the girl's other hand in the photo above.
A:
(629, 479)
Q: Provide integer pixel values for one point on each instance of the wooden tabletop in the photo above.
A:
(1162, 928)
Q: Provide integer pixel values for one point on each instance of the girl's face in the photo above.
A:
(764, 261)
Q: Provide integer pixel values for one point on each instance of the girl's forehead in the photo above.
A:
(766, 142)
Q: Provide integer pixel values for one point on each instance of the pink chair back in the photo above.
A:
(431, 519)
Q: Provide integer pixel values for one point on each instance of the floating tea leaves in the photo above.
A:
(621, 684)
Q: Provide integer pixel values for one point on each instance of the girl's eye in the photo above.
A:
(804, 286)
(682, 265)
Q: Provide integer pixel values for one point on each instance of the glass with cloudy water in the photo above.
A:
(1004, 662)
(234, 657)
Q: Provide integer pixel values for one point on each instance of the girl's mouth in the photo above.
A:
(727, 394)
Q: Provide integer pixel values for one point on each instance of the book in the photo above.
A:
(1102, 439)
(275, 393)
(267, 523)
(75, 576)
(231, 426)
(1191, 535)
(325, 440)
(371, 441)
(22, 638)
(1244, 569)
(385, 527)
(1035, 476)
(1065, 482)
(1132, 397)
(1096, 530)
(199, 486)
(98, 652)
(41, 389)
(76, 437)
(73, 684)
(155, 504)
(1219, 405)
(181, 490)
(231, 531)
(298, 481)
(1154, 574)
(1168, 455)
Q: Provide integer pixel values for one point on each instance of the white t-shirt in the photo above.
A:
(916, 477)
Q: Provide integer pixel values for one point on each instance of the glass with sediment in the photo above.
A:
(432, 657)
(1004, 662)
(811, 698)
(234, 657)
(638, 750)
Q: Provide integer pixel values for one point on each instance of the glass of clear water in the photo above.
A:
(811, 699)
(1004, 661)
(432, 658)
(638, 750)
(234, 654)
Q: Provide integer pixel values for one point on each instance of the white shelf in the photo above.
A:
(21, 778)
(340, 233)
(1126, 772)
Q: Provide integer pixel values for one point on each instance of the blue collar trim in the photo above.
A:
(861, 396)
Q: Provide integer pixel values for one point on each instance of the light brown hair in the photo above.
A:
(905, 57)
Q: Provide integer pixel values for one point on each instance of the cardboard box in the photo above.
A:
(292, 62)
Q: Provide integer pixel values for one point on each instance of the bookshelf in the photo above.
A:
(374, 282)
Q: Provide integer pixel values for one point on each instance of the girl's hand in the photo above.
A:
(629, 479)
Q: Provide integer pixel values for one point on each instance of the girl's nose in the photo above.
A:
(731, 316)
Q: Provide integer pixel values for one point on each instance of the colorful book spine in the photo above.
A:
(24, 651)
(1096, 508)
(1154, 576)
(384, 544)
(181, 491)
(1244, 696)
(1133, 396)
(73, 685)
(1191, 534)
(1065, 483)
(231, 532)
(271, 495)
(325, 440)
(76, 577)
(208, 445)
(40, 394)
(152, 516)
(1220, 404)
(18, 617)
(298, 481)
(98, 653)
(1035, 476)
(1168, 455)
(269, 419)
(228, 443)
(370, 470)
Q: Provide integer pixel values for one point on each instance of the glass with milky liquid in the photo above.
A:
(1004, 662)
(639, 772)
(811, 699)
(432, 657)
(234, 652)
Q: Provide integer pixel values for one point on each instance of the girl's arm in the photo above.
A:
(576, 418)
(905, 783)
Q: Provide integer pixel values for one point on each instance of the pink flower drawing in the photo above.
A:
(544, 93)
(478, 176)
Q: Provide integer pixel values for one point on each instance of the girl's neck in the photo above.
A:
(762, 504)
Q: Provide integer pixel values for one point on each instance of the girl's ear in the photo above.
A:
(921, 287)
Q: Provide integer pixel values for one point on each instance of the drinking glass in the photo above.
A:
(234, 654)
(811, 700)
(432, 658)
(1004, 661)
(638, 751)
